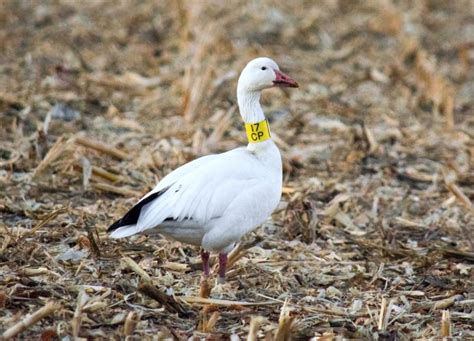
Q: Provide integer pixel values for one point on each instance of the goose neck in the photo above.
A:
(249, 106)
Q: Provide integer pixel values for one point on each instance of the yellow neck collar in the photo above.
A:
(257, 132)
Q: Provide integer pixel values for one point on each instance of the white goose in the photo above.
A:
(214, 200)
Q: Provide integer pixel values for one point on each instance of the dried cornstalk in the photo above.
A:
(169, 302)
(285, 323)
(383, 310)
(30, 320)
(255, 323)
(3, 299)
(31, 272)
(445, 330)
(369, 136)
(227, 303)
(132, 265)
(82, 299)
(458, 193)
(56, 151)
(130, 323)
(46, 220)
(102, 147)
(447, 302)
(117, 190)
(221, 127)
(106, 174)
(209, 325)
(197, 93)
(205, 288)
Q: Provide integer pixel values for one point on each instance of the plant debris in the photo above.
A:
(373, 238)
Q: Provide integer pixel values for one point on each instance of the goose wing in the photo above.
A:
(199, 192)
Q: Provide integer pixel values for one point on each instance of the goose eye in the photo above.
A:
(263, 68)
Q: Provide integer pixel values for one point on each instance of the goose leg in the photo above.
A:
(205, 263)
(222, 267)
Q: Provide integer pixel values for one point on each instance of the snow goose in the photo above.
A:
(214, 200)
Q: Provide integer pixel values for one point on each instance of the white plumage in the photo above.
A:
(216, 199)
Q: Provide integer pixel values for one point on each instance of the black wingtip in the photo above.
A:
(131, 217)
(115, 226)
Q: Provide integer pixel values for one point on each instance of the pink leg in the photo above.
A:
(205, 263)
(222, 266)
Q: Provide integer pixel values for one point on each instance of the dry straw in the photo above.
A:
(373, 238)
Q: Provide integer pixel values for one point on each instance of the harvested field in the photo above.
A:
(373, 238)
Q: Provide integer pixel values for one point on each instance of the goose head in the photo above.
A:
(263, 73)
